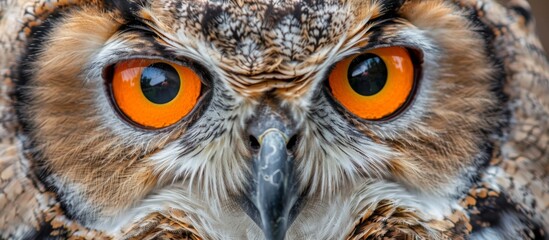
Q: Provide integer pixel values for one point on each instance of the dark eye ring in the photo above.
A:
(154, 93)
(375, 84)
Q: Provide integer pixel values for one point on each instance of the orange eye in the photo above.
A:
(373, 84)
(154, 93)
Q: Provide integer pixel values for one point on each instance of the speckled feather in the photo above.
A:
(472, 168)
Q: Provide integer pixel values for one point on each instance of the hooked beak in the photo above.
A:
(272, 191)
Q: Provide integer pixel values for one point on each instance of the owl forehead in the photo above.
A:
(258, 45)
(256, 36)
(289, 30)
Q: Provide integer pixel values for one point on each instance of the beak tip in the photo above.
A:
(277, 232)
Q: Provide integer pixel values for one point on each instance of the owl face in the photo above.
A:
(269, 113)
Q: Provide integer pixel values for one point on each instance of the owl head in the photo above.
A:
(257, 118)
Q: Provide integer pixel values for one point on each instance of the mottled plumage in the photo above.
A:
(466, 159)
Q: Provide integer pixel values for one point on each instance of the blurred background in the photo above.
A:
(541, 13)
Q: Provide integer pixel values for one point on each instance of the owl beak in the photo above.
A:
(272, 195)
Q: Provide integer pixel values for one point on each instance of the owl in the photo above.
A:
(257, 119)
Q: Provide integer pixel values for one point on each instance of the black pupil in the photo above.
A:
(367, 74)
(160, 83)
